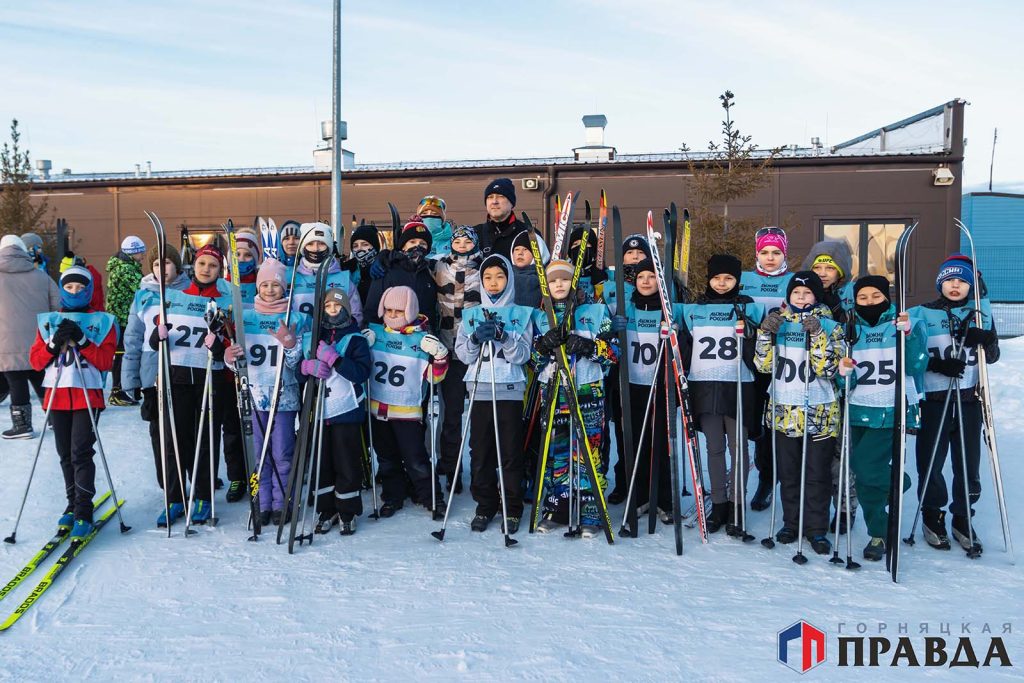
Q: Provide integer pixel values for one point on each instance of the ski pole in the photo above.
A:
(509, 541)
(433, 439)
(99, 442)
(740, 458)
(625, 530)
(974, 552)
(768, 541)
(199, 445)
(12, 539)
(213, 453)
(373, 460)
(318, 448)
(439, 535)
(799, 557)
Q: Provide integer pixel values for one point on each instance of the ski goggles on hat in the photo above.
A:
(431, 200)
(771, 230)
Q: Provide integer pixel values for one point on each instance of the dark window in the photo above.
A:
(872, 243)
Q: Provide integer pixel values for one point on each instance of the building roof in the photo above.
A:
(924, 136)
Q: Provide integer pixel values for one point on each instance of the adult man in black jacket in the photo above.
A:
(501, 227)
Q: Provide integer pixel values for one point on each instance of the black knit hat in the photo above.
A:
(502, 186)
(879, 282)
(645, 265)
(415, 230)
(809, 279)
(636, 241)
(367, 233)
(724, 264)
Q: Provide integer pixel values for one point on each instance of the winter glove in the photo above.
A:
(551, 340)
(285, 335)
(665, 331)
(327, 354)
(72, 331)
(618, 323)
(315, 368)
(975, 337)
(772, 322)
(846, 366)
(433, 346)
(950, 367)
(811, 325)
(581, 347)
(377, 270)
(369, 335)
(215, 319)
(233, 353)
(485, 332)
(159, 334)
(210, 340)
(499, 331)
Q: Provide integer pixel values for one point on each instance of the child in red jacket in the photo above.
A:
(77, 329)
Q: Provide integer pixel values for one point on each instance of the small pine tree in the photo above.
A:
(19, 212)
(733, 169)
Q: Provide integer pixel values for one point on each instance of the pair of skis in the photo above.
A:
(563, 373)
(66, 558)
(270, 237)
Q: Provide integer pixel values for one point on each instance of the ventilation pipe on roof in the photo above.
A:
(44, 166)
(149, 169)
(138, 170)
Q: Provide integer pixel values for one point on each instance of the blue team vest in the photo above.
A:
(398, 367)
(340, 395)
(766, 290)
(643, 329)
(96, 326)
(517, 320)
(264, 352)
(587, 321)
(187, 326)
(611, 292)
(846, 298)
(715, 353)
(940, 343)
(791, 368)
(248, 290)
(305, 286)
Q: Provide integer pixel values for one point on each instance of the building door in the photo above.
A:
(872, 244)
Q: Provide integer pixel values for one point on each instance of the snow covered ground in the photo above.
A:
(392, 603)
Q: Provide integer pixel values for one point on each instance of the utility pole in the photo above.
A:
(338, 133)
(992, 163)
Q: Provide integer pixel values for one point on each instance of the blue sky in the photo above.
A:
(102, 85)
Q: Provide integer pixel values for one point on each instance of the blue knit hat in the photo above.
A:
(956, 266)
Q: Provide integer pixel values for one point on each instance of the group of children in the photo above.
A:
(769, 355)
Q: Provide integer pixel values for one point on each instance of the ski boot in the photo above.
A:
(265, 518)
(236, 490)
(590, 531)
(547, 525)
(389, 509)
(962, 535)
(121, 399)
(66, 521)
(875, 549)
(201, 512)
(81, 529)
(326, 522)
(720, 513)
(786, 535)
(933, 524)
(512, 524)
(177, 512)
(348, 526)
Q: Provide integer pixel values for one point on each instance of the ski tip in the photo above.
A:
(439, 535)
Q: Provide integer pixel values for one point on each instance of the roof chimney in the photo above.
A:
(44, 166)
(149, 169)
(595, 149)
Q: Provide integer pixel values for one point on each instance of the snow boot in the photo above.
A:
(820, 544)
(121, 399)
(962, 534)
(277, 515)
(665, 516)
(81, 529)
(512, 524)
(762, 499)
(875, 549)
(720, 513)
(326, 522)
(389, 509)
(786, 535)
(547, 525)
(348, 526)
(480, 522)
(21, 423)
(201, 512)
(589, 531)
(933, 523)
(177, 512)
(265, 517)
(734, 517)
(236, 490)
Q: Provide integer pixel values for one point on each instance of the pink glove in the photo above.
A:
(209, 339)
(327, 353)
(161, 331)
(285, 335)
(315, 368)
(665, 331)
(233, 353)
